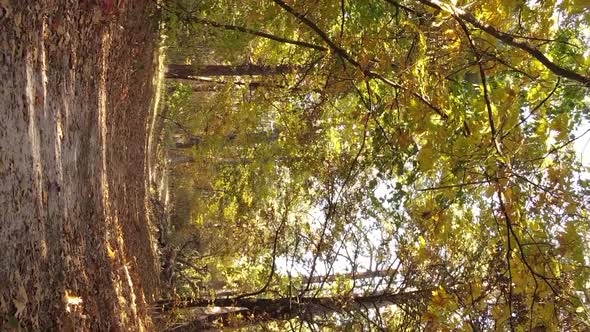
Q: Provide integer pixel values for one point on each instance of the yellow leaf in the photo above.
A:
(440, 298)
(581, 4)
(364, 61)
(476, 290)
(490, 191)
(426, 159)
(571, 208)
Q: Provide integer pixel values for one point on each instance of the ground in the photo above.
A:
(76, 93)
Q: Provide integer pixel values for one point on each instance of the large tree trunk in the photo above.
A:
(188, 71)
(256, 311)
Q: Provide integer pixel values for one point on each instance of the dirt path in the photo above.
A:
(75, 95)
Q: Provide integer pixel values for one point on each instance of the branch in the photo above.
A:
(318, 248)
(296, 304)
(247, 69)
(339, 51)
(459, 185)
(486, 95)
(509, 39)
(178, 124)
(189, 17)
(559, 147)
(506, 64)
(260, 34)
(398, 5)
(511, 232)
(534, 109)
(272, 267)
(508, 257)
(348, 58)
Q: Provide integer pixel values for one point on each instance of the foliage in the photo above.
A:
(422, 145)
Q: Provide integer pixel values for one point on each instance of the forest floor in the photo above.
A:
(76, 93)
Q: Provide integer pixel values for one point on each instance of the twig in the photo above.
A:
(455, 185)
(534, 109)
(272, 267)
(496, 143)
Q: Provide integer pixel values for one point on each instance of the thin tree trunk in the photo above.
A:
(350, 275)
(188, 71)
(248, 138)
(208, 84)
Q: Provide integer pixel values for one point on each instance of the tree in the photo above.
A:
(188, 71)
(428, 136)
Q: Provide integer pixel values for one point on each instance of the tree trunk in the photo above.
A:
(188, 71)
(204, 84)
(349, 275)
(255, 311)
(186, 141)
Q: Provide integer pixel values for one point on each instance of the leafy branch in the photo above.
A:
(350, 59)
(188, 17)
(509, 39)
